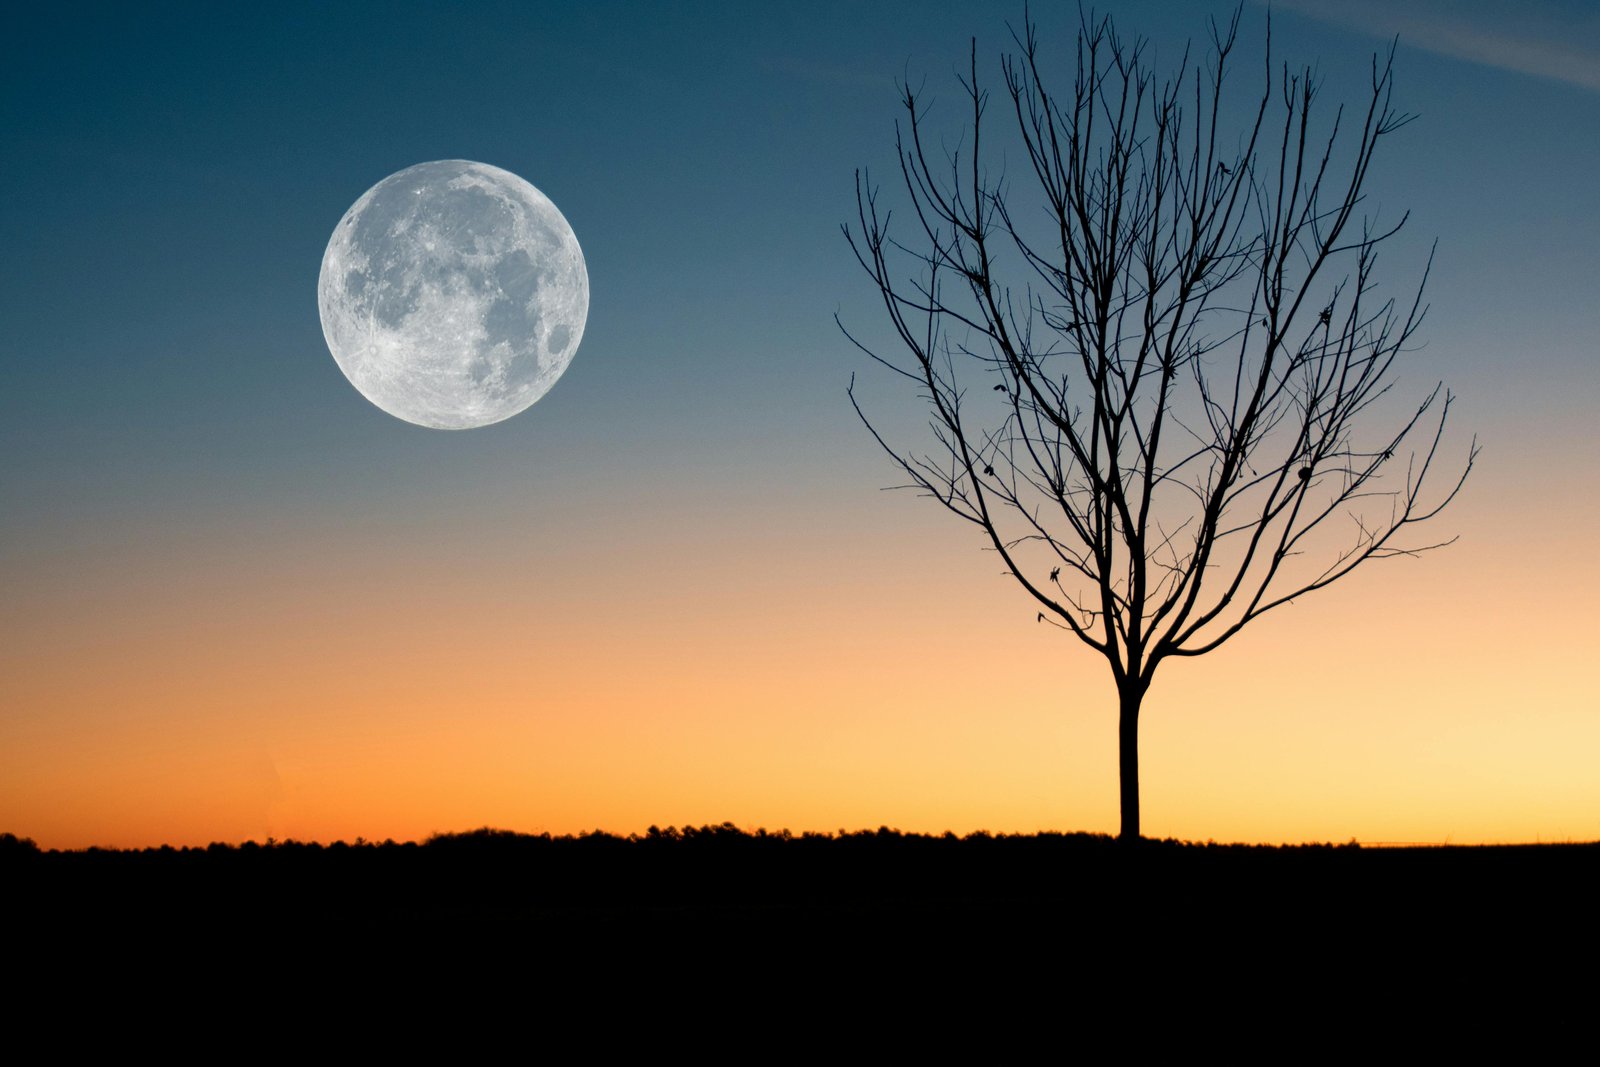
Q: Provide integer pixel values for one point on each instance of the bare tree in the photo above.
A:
(1154, 395)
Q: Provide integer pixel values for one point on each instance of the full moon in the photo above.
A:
(453, 294)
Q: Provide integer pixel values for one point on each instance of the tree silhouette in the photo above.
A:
(1153, 353)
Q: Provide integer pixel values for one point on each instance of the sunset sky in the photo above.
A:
(239, 601)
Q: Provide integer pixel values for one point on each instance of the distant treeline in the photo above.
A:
(723, 834)
(723, 871)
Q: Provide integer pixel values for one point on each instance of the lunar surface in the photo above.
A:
(453, 294)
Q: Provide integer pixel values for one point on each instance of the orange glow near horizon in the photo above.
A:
(769, 680)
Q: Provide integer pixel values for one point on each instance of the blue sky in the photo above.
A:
(172, 171)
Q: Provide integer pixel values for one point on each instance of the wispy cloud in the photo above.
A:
(1545, 38)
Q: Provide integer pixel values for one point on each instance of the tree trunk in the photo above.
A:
(1131, 696)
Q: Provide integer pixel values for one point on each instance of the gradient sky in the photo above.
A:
(237, 600)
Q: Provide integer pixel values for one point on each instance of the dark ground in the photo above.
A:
(730, 917)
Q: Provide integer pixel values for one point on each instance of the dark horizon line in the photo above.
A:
(15, 844)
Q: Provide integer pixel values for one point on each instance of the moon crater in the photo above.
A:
(453, 294)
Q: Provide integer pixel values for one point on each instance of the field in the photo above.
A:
(720, 917)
